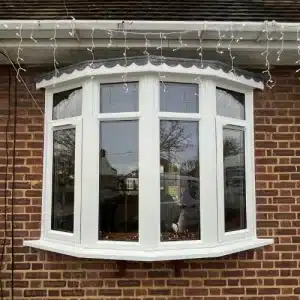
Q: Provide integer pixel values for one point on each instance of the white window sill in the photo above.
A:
(142, 255)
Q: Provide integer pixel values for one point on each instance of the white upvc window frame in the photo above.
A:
(245, 125)
(214, 241)
(50, 126)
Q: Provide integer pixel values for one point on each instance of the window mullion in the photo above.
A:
(149, 174)
(47, 170)
(90, 164)
(250, 165)
(208, 163)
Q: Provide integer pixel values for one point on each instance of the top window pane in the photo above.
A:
(114, 98)
(179, 97)
(230, 104)
(67, 104)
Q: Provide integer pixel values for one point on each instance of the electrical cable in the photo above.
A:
(6, 180)
(13, 189)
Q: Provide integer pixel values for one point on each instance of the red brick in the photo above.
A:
(266, 274)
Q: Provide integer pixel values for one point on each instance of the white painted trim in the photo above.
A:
(55, 234)
(149, 162)
(139, 25)
(179, 116)
(208, 163)
(162, 254)
(62, 88)
(136, 69)
(90, 164)
(84, 242)
(249, 105)
(222, 122)
(46, 185)
(118, 116)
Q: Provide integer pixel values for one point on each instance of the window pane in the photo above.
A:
(67, 104)
(63, 180)
(234, 179)
(179, 178)
(179, 97)
(119, 181)
(230, 104)
(114, 98)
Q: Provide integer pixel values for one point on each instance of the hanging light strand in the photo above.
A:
(270, 82)
(221, 36)
(239, 36)
(181, 44)
(54, 46)
(200, 48)
(279, 52)
(124, 77)
(232, 39)
(72, 32)
(91, 49)
(147, 44)
(32, 33)
(20, 49)
(162, 58)
(110, 34)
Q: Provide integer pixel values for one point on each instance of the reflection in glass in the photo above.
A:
(179, 181)
(179, 97)
(230, 104)
(62, 218)
(67, 104)
(234, 179)
(115, 98)
(119, 181)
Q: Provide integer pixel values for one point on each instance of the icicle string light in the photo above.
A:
(124, 77)
(200, 48)
(236, 36)
(19, 58)
(72, 32)
(110, 34)
(270, 82)
(91, 49)
(32, 32)
(279, 52)
(181, 44)
(162, 58)
(240, 37)
(54, 46)
(147, 44)
(232, 39)
(221, 36)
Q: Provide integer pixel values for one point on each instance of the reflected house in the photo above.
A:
(129, 184)
(173, 183)
(118, 198)
(108, 173)
(234, 188)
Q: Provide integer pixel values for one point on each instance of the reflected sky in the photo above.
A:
(179, 97)
(120, 141)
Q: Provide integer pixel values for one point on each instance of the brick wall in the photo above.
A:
(269, 274)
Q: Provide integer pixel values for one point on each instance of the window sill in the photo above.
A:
(156, 255)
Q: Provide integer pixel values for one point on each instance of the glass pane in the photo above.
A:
(230, 104)
(179, 181)
(119, 181)
(234, 179)
(67, 104)
(179, 97)
(114, 98)
(63, 180)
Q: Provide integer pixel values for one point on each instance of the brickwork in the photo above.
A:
(269, 274)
